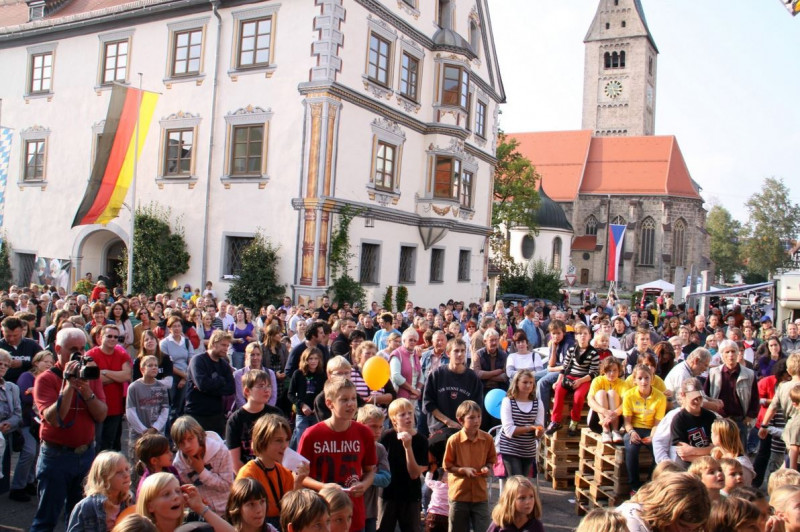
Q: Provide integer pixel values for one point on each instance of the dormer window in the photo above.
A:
(36, 10)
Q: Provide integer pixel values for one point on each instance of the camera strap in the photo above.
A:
(61, 423)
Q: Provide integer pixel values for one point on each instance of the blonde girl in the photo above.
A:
(108, 492)
(605, 400)
(728, 444)
(519, 506)
(341, 508)
(671, 501)
(785, 501)
(162, 500)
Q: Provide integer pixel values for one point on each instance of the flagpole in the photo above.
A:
(133, 188)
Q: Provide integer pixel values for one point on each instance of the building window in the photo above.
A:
(444, 14)
(255, 42)
(557, 253)
(455, 89)
(370, 260)
(650, 65)
(618, 220)
(41, 73)
(474, 36)
(465, 197)
(178, 152)
(591, 225)
(614, 60)
(647, 243)
(247, 147)
(234, 247)
(409, 76)
(115, 61)
(408, 264)
(385, 165)
(437, 265)
(446, 178)
(26, 262)
(623, 25)
(528, 246)
(187, 49)
(463, 265)
(378, 64)
(34, 160)
(608, 26)
(480, 119)
(679, 243)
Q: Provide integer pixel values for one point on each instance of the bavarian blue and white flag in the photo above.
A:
(5, 156)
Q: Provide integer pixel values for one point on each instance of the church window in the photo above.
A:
(616, 2)
(618, 220)
(607, 60)
(623, 23)
(650, 65)
(608, 25)
(647, 243)
(591, 225)
(679, 243)
(615, 60)
(622, 59)
(528, 247)
(557, 253)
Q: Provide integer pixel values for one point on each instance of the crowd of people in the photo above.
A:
(269, 419)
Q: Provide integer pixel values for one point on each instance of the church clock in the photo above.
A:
(613, 89)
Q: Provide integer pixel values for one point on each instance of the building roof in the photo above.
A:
(574, 162)
(550, 215)
(584, 243)
(559, 158)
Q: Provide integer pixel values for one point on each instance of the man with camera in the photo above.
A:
(70, 403)
(115, 369)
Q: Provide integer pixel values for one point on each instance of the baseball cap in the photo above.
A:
(765, 318)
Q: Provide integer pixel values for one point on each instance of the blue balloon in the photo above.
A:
(493, 401)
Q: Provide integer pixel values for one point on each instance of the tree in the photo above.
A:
(257, 282)
(516, 198)
(344, 288)
(6, 275)
(539, 280)
(726, 250)
(774, 223)
(159, 252)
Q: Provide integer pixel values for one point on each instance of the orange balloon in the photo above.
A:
(376, 373)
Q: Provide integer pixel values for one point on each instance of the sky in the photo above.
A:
(728, 83)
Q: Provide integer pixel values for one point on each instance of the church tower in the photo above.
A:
(619, 87)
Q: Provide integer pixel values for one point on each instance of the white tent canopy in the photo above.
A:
(661, 284)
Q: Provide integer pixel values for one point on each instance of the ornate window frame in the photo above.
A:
(106, 39)
(246, 116)
(468, 163)
(33, 134)
(413, 50)
(382, 30)
(177, 121)
(647, 242)
(240, 18)
(388, 132)
(179, 27)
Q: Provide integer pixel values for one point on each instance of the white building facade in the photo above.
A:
(273, 116)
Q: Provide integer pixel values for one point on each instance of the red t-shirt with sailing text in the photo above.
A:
(340, 457)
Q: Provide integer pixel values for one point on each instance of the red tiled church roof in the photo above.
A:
(572, 162)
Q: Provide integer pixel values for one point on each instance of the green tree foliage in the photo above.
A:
(774, 223)
(343, 288)
(257, 282)
(725, 245)
(6, 275)
(400, 298)
(540, 280)
(388, 298)
(159, 251)
(516, 197)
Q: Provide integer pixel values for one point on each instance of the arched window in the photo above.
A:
(615, 60)
(622, 59)
(618, 220)
(679, 243)
(607, 60)
(528, 247)
(647, 242)
(557, 253)
(474, 36)
(591, 225)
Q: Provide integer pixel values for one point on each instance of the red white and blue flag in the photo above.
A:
(616, 235)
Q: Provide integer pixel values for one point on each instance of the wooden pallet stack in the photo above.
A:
(601, 479)
(558, 457)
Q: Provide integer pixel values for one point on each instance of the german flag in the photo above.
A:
(113, 167)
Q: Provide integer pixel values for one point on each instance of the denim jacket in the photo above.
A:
(89, 515)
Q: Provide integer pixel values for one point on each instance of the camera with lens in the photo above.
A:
(85, 371)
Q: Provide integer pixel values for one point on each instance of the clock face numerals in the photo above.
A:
(613, 89)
